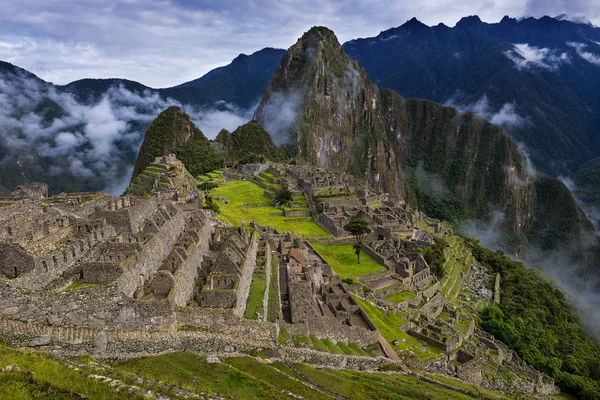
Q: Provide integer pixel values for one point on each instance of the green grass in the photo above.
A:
(273, 376)
(356, 348)
(274, 305)
(333, 348)
(80, 285)
(399, 297)
(50, 380)
(360, 385)
(347, 350)
(317, 344)
(245, 192)
(343, 260)
(190, 372)
(254, 304)
(389, 326)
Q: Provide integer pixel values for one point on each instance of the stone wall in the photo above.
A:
(98, 307)
(333, 329)
(243, 288)
(225, 321)
(300, 355)
(143, 266)
(70, 341)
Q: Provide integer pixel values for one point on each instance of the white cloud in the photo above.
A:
(580, 49)
(94, 142)
(506, 116)
(526, 57)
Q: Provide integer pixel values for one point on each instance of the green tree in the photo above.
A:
(210, 204)
(283, 197)
(358, 228)
(207, 186)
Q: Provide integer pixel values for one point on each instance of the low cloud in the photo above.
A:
(529, 57)
(48, 135)
(506, 116)
(586, 55)
(278, 114)
(591, 212)
(430, 182)
(529, 168)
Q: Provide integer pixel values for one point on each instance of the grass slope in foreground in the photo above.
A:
(343, 260)
(241, 193)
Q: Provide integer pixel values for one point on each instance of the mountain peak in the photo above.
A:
(318, 34)
(508, 20)
(414, 23)
(471, 20)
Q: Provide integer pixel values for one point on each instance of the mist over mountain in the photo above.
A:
(85, 136)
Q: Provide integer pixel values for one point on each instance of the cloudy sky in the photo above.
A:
(162, 43)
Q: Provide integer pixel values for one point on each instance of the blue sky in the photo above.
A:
(163, 43)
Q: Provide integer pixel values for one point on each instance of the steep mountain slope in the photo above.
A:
(249, 142)
(344, 122)
(537, 68)
(173, 132)
(241, 83)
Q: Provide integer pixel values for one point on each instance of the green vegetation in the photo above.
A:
(80, 285)
(283, 197)
(210, 204)
(243, 378)
(399, 297)
(534, 318)
(274, 306)
(207, 186)
(169, 133)
(359, 385)
(358, 228)
(389, 325)
(249, 143)
(42, 377)
(343, 262)
(435, 256)
(240, 193)
(254, 304)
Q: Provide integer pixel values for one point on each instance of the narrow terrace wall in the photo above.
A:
(243, 288)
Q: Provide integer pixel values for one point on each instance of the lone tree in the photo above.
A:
(283, 197)
(359, 228)
(207, 186)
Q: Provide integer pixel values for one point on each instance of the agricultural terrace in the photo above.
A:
(344, 262)
(247, 202)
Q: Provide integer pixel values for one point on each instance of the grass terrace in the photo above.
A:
(254, 304)
(389, 326)
(343, 260)
(243, 193)
(399, 297)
